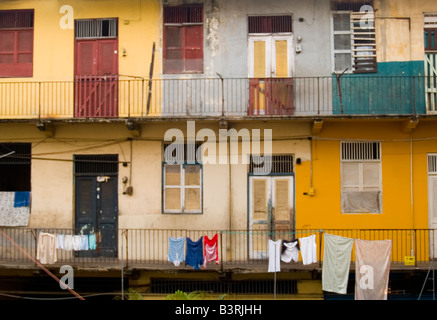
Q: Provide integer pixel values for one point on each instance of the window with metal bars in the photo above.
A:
(96, 164)
(16, 43)
(361, 177)
(270, 24)
(360, 151)
(354, 41)
(276, 164)
(15, 167)
(96, 28)
(432, 164)
(183, 39)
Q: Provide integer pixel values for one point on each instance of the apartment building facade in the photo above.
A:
(144, 120)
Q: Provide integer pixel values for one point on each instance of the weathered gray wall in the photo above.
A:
(226, 38)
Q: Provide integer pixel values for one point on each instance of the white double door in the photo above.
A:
(271, 211)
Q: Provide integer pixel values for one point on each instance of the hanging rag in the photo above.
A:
(336, 263)
(22, 199)
(60, 241)
(194, 256)
(77, 242)
(46, 248)
(290, 251)
(176, 248)
(274, 255)
(308, 249)
(84, 242)
(372, 269)
(210, 250)
(92, 241)
(68, 242)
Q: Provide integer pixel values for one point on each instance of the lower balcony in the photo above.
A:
(114, 97)
(237, 250)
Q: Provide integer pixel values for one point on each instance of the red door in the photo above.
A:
(96, 78)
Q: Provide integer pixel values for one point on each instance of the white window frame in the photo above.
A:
(182, 188)
(354, 50)
(270, 40)
(333, 34)
(360, 186)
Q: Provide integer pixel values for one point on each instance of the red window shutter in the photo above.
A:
(183, 39)
(16, 43)
(173, 53)
(107, 57)
(194, 48)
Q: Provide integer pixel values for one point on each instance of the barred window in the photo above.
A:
(361, 181)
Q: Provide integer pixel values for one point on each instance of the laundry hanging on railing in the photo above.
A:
(176, 250)
(290, 251)
(193, 253)
(210, 250)
(274, 255)
(46, 248)
(372, 269)
(336, 263)
(49, 243)
(194, 256)
(308, 249)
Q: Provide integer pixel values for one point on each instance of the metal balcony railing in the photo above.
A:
(149, 248)
(119, 97)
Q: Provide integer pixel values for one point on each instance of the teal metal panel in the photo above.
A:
(397, 88)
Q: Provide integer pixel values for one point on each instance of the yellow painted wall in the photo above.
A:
(54, 46)
(403, 207)
(139, 27)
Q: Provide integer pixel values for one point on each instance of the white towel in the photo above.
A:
(60, 241)
(68, 242)
(372, 269)
(336, 263)
(274, 256)
(308, 249)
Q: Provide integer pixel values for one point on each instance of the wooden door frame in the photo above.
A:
(271, 177)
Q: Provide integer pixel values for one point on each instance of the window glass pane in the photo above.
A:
(172, 199)
(192, 198)
(343, 61)
(192, 175)
(172, 175)
(342, 42)
(342, 22)
(174, 37)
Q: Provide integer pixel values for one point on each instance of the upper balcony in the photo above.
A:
(116, 97)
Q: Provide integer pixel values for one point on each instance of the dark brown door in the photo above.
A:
(96, 78)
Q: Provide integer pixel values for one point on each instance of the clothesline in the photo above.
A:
(49, 243)
(273, 233)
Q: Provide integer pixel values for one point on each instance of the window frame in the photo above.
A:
(182, 163)
(361, 163)
(182, 186)
(17, 69)
(183, 26)
(354, 46)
